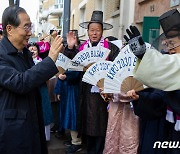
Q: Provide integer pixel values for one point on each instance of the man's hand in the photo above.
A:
(135, 41)
(62, 76)
(56, 48)
(132, 95)
(106, 97)
(58, 97)
(71, 39)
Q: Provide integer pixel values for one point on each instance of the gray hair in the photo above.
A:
(10, 16)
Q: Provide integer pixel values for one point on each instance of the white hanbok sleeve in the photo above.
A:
(160, 71)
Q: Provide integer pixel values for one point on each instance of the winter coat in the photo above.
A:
(151, 108)
(21, 120)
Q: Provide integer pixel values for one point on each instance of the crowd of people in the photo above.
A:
(35, 99)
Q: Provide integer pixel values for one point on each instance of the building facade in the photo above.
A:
(119, 13)
(50, 14)
(147, 13)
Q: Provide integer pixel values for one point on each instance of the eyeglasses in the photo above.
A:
(172, 43)
(27, 28)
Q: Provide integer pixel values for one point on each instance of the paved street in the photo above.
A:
(56, 146)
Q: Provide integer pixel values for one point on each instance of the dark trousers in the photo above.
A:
(55, 110)
(95, 144)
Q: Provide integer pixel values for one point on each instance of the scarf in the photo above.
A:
(87, 44)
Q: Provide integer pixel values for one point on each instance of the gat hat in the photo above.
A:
(170, 23)
(97, 17)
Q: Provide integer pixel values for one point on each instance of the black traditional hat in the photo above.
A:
(97, 17)
(170, 23)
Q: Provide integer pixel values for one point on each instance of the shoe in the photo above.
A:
(67, 143)
(60, 135)
(73, 149)
(54, 129)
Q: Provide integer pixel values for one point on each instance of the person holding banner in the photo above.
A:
(93, 115)
(122, 135)
(21, 118)
(159, 70)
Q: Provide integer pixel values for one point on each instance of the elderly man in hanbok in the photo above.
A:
(161, 71)
(93, 115)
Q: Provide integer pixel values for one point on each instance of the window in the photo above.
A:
(58, 1)
(58, 4)
(117, 5)
(82, 19)
(73, 21)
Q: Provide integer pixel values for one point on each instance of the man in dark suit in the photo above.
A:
(22, 128)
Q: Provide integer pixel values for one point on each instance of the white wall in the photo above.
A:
(126, 16)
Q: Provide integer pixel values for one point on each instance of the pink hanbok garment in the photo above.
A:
(122, 136)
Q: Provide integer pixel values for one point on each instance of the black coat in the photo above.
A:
(174, 97)
(21, 120)
(150, 105)
(151, 108)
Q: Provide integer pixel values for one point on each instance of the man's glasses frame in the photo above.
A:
(27, 28)
(172, 43)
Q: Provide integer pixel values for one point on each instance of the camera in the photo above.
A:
(58, 31)
(51, 31)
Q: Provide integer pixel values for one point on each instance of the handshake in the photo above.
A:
(135, 41)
